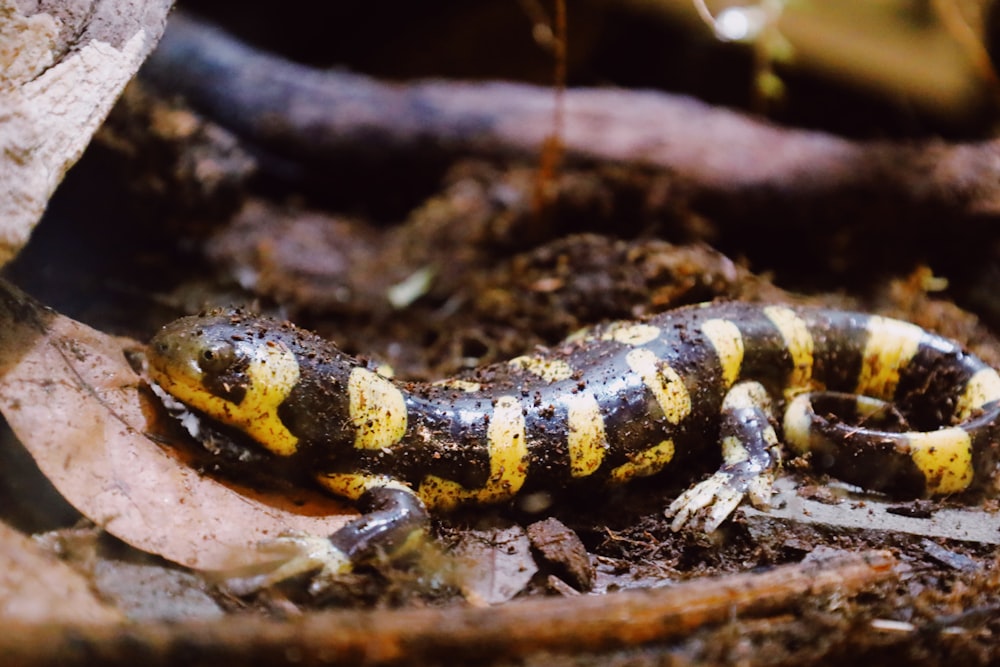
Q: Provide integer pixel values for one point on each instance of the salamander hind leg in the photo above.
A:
(750, 454)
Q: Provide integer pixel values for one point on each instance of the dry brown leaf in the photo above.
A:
(80, 410)
(494, 564)
(35, 586)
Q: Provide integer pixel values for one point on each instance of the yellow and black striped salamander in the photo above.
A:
(616, 402)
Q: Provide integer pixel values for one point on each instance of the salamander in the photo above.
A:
(879, 402)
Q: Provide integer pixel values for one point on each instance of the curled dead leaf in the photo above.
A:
(81, 411)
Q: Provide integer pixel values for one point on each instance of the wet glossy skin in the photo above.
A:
(621, 401)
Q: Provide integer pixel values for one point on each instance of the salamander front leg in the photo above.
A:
(750, 455)
(393, 517)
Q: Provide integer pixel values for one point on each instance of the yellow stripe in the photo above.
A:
(890, 346)
(630, 333)
(663, 381)
(550, 370)
(746, 396)
(727, 342)
(352, 485)
(797, 423)
(944, 457)
(508, 448)
(585, 438)
(982, 388)
(377, 410)
(799, 343)
(734, 451)
(461, 385)
(508, 452)
(645, 463)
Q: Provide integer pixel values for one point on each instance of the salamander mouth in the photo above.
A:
(228, 443)
(189, 420)
(154, 367)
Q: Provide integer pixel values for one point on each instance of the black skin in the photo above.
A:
(446, 434)
(390, 516)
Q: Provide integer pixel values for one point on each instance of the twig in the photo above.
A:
(574, 626)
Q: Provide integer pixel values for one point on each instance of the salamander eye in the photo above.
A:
(217, 357)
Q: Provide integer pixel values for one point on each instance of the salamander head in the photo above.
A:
(232, 367)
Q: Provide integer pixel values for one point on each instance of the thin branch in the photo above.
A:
(454, 635)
